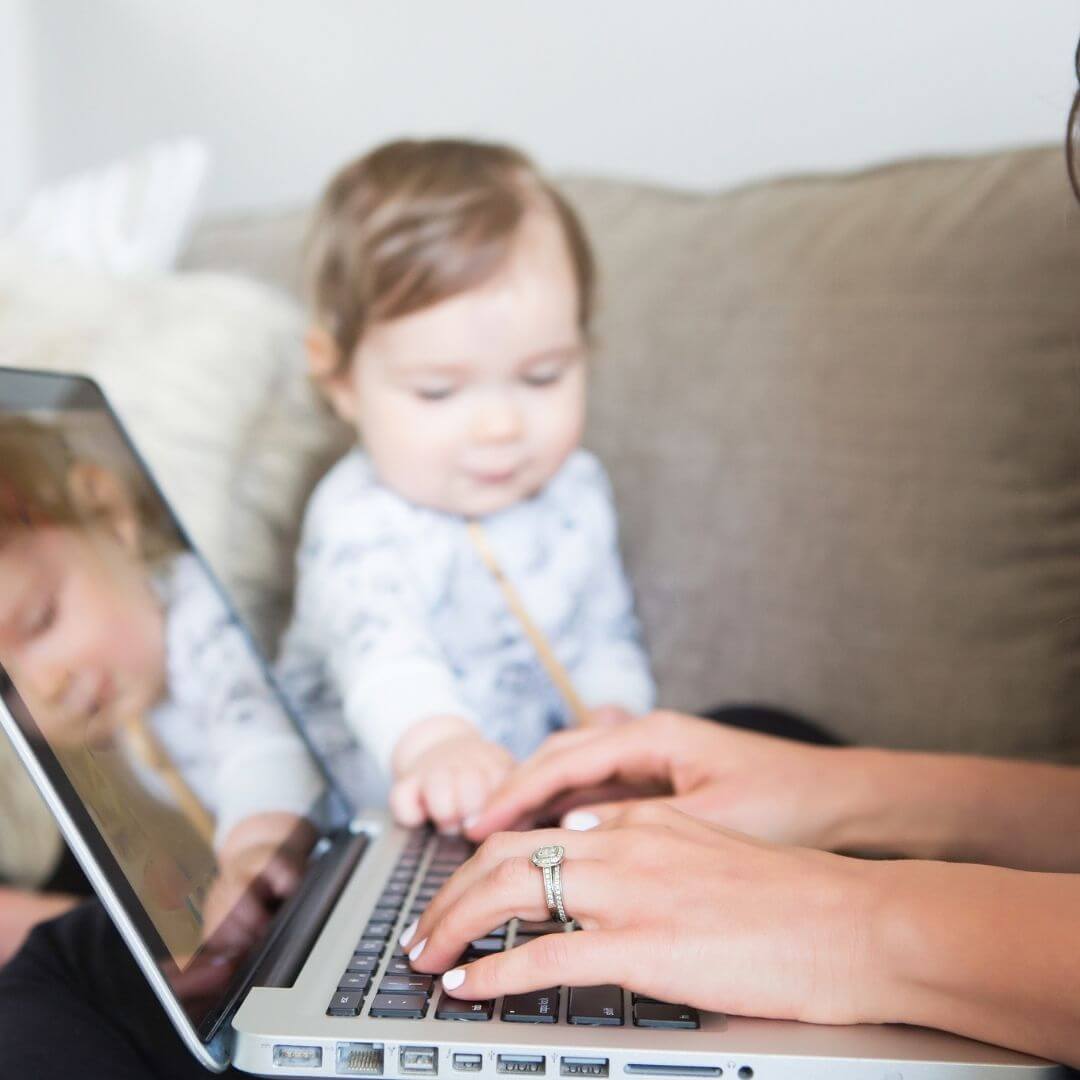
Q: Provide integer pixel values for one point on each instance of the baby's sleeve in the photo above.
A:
(614, 666)
(362, 619)
(258, 763)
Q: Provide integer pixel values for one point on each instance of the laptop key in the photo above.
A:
(399, 1006)
(661, 1014)
(354, 981)
(451, 1008)
(535, 1007)
(398, 966)
(345, 1003)
(597, 1006)
(369, 948)
(486, 945)
(362, 964)
(535, 928)
(413, 983)
(378, 931)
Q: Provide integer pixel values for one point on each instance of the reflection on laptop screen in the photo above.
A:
(157, 721)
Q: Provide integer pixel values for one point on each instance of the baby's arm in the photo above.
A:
(266, 783)
(613, 673)
(362, 620)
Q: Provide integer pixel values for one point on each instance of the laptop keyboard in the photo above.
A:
(379, 974)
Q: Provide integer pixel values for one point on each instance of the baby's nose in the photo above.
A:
(48, 681)
(497, 420)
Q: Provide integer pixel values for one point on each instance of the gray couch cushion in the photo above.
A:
(840, 414)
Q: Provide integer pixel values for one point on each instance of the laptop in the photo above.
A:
(157, 737)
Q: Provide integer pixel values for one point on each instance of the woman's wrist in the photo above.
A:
(982, 951)
(895, 802)
(960, 807)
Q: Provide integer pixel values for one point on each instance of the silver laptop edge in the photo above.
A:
(214, 1055)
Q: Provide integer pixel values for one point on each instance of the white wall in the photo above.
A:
(688, 92)
(17, 161)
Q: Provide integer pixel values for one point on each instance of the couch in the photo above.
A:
(842, 417)
(840, 413)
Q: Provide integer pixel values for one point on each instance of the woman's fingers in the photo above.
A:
(595, 758)
(513, 889)
(656, 811)
(500, 882)
(583, 958)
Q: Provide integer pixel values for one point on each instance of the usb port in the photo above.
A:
(521, 1063)
(468, 1062)
(583, 1066)
(420, 1060)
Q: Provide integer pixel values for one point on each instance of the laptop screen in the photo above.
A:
(144, 700)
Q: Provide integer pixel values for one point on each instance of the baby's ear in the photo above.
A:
(102, 497)
(333, 379)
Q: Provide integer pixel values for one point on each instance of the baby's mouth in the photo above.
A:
(495, 476)
(97, 715)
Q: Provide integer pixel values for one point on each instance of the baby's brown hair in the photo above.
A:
(36, 461)
(414, 222)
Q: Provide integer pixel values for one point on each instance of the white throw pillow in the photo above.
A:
(128, 217)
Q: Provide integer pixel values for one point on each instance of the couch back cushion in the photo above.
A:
(841, 418)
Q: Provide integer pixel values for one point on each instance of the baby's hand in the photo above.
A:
(449, 781)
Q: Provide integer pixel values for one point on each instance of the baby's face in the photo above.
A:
(472, 404)
(81, 632)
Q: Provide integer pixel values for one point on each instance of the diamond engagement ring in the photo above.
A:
(548, 859)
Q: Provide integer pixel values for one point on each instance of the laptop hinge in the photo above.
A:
(311, 906)
(298, 925)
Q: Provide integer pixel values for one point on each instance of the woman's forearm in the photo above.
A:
(981, 951)
(950, 806)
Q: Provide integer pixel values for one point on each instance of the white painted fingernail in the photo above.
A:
(453, 979)
(471, 820)
(417, 949)
(407, 934)
(580, 820)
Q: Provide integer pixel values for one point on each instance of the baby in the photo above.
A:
(452, 288)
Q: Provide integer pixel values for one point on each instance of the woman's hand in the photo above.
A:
(758, 784)
(671, 907)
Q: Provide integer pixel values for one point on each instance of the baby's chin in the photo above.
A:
(470, 499)
(487, 500)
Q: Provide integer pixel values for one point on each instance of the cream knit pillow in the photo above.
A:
(191, 363)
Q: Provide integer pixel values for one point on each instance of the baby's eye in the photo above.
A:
(41, 618)
(433, 393)
(543, 376)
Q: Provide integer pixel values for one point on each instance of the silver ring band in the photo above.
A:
(548, 859)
